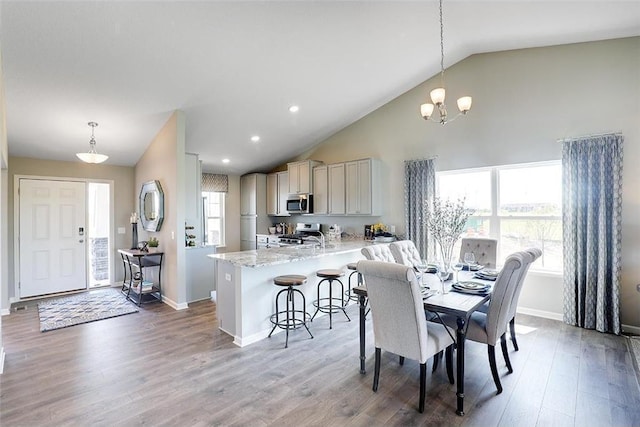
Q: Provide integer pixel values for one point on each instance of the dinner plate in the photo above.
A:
(483, 276)
(474, 286)
(469, 291)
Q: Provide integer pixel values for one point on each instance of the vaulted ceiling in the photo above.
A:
(235, 68)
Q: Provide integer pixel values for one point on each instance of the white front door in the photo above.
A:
(52, 237)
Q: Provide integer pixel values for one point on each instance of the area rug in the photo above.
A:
(82, 308)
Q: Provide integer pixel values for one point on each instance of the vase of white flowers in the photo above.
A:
(445, 221)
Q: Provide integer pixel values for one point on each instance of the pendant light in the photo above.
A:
(437, 95)
(92, 156)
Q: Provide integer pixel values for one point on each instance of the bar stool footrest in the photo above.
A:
(299, 320)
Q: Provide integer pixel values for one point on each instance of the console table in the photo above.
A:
(134, 285)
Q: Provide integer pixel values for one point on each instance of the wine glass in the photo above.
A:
(422, 267)
(443, 275)
(457, 266)
(469, 258)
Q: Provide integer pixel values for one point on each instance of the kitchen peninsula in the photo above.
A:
(245, 290)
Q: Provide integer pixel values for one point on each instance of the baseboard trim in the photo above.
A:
(631, 329)
(635, 330)
(540, 313)
(1, 360)
(5, 312)
(171, 303)
(258, 336)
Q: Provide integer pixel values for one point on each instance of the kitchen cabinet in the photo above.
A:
(336, 190)
(199, 273)
(248, 230)
(277, 193)
(320, 190)
(248, 194)
(362, 187)
(301, 176)
(253, 209)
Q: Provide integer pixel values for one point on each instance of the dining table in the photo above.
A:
(460, 305)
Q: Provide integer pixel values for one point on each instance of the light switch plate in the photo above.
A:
(121, 230)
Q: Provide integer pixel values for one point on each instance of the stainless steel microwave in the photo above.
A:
(300, 203)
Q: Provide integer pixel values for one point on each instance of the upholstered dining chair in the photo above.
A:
(405, 252)
(399, 322)
(534, 254)
(488, 328)
(484, 249)
(377, 253)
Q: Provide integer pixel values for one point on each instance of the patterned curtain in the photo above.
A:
(419, 185)
(215, 182)
(591, 218)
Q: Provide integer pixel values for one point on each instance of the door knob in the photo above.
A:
(80, 241)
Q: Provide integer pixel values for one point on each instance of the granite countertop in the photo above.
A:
(282, 255)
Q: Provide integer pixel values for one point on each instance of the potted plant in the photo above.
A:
(153, 242)
(446, 220)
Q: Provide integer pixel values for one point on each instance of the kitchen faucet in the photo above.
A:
(320, 239)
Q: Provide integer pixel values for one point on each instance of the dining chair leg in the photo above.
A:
(401, 360)
(449, 361)
(494, 370)
(505, 352)
(423, 386)
(376, 372)
(436, 360)
(512, 329)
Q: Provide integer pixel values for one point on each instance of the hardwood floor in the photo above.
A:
(166, 367)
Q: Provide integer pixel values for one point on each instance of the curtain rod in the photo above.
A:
(589, 136)
(423, 158)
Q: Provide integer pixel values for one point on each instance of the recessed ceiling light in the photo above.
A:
(294, 109)
(225, 160)
(255, 138)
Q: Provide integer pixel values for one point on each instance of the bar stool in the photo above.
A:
(350, 296)
(293, 318)
(330, 305)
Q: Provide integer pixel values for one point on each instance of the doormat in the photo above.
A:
(83, 308)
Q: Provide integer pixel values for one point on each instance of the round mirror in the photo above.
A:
(151, 206)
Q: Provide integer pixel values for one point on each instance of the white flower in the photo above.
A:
(445, 221)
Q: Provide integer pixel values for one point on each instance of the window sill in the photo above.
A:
(543, 273)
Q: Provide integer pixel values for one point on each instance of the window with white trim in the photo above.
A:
(520, 205)
(214, 217)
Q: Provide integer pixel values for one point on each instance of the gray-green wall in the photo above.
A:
(523, 102)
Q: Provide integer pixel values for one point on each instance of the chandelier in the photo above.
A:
(437, 95)
(92, 156)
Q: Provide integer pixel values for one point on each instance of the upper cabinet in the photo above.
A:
(362, 187)
(320, 191)
(277, 192)
(248, 195)
(336, 179)
(301, 176)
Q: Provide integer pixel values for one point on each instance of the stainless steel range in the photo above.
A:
(303, 231)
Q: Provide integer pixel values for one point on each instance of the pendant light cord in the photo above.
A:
(441, 48)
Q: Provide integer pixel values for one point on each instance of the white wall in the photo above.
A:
(523, 102)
